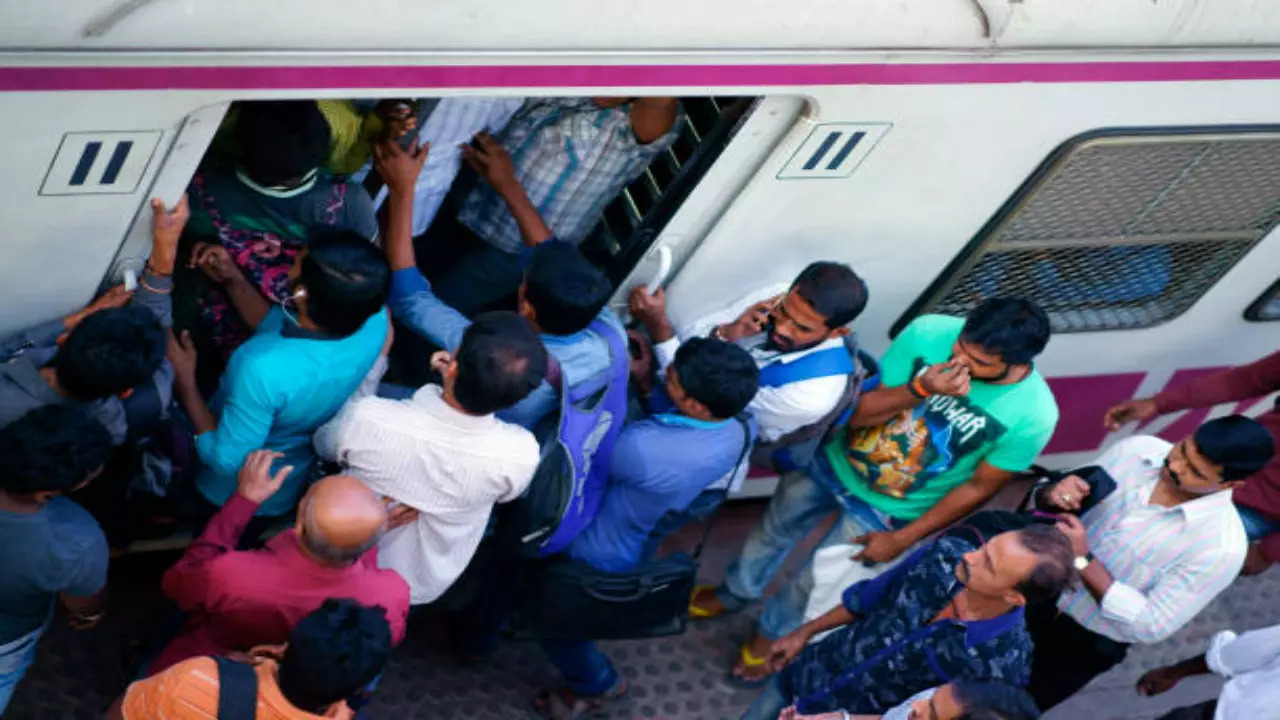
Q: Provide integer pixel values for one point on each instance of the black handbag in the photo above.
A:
(567, 600)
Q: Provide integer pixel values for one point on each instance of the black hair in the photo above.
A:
(109, 352)
(52, 448)
(834, 290)
(347, 281)
(1014, 328)
(500, 361)
(280, 141)
(717, 374)
(564, 288)
(333, 653)
(1241, 445)
(993, 701)
(1055, 571)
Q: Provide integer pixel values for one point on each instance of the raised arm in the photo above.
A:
(492, 162)
(216, 263)
(412, 301)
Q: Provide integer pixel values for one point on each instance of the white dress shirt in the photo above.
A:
(1251, 665)
(450, 466)
(777, 410)
(1168, 563)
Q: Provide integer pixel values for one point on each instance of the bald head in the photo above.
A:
(340, 519)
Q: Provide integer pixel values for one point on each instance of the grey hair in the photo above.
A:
(318, 545)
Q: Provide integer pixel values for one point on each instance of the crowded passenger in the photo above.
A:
(571, 157)
(695, 439)
(50, 547)
(960, 409)
(1250, 664)
(235, 600)
(442, 453)
(797, 338)
(306, 357)
(958, 700)
(562, 295)
(103, 354)
(1258, 499)
(952, 609)
(264, 210)
(1152, 552)
(331, 655)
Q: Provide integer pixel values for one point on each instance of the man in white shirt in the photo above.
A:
(810, 316)
(1249, 662)
(442, 452)
(1152, 553)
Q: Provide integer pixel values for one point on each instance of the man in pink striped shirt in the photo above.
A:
(1152, 553)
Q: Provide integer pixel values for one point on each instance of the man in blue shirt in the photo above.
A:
(949, 611)
(660, 465)
(305, 359)
(561, 295)
(49, 546)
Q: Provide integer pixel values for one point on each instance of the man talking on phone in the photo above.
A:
(960, 410)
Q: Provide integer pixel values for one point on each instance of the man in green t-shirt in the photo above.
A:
(960, 410)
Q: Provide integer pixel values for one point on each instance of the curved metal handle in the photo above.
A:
(641, 589)
(664, 266)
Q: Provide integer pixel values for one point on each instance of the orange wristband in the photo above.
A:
(917, 389)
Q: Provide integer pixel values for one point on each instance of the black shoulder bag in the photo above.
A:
(570, 600)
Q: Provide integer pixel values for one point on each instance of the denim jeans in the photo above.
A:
(1256, 525)
(15, 657)
(586, 670)
(771, 702)
(801, 502)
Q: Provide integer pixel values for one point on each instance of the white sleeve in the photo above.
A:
(1230, 654)
(780, 410)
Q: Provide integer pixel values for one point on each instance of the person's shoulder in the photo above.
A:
(74, 527)
(520, 444)
(1148, 447)
(933, 325)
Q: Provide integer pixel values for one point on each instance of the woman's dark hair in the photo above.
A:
(993, 701)
(835, 291)
(1241, 445)
(564, 288)
(1055, 571)
(500, 361)
(347, 281)
(717, 374)
(109, 352)
(53, 448)
(280, 141)
(333, 653)
(1014, 328)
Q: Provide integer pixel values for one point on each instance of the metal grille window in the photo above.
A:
(1117, 231)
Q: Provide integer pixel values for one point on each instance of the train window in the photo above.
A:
(1267, 306)
(1121, 229)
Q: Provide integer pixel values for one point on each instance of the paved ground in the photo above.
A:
(78, 674)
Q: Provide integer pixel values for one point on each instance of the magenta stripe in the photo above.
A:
(601, 76)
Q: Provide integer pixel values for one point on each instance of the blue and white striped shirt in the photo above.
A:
(572, 157)
(453, 122)
(1168, 563)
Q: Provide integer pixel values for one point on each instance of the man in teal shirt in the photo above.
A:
(959, 411)
(304, 360)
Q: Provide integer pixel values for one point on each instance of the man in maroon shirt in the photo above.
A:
(235, 600)
(1258, 501)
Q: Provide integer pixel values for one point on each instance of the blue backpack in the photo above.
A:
(569, 484)
(795, 449)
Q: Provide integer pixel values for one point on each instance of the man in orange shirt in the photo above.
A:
(332, 654)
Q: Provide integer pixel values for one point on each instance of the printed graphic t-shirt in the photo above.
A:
(906, 465)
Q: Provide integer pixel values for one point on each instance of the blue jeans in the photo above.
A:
(15, 657)
(1256, 525)
(586, 670)
(771, 702)
(801, 502)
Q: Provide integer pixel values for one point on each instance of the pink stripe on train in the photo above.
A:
(600, 76)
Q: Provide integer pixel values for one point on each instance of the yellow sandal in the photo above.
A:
(700, 613)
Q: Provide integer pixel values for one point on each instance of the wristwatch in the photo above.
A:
(1082, 561)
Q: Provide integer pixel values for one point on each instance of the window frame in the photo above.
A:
(1254, 311)
(973, 251)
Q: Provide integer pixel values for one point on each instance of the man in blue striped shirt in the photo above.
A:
(572, 156)
(1152, 553)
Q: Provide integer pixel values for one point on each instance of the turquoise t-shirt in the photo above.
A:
(906, 465)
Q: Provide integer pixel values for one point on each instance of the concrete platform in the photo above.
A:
(78, 674)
